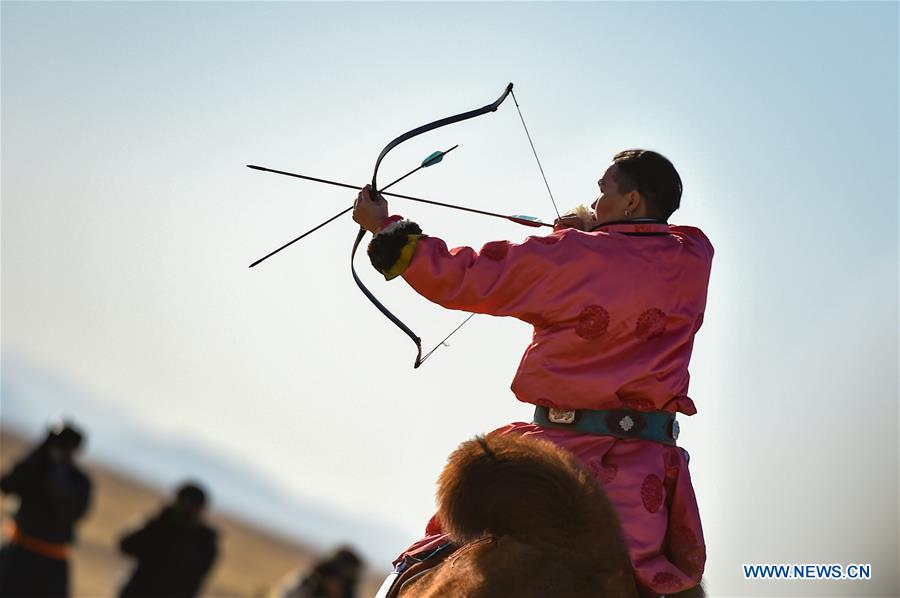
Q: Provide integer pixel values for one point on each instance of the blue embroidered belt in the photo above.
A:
(658, 426)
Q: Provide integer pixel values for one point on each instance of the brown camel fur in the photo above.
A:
(534, 524)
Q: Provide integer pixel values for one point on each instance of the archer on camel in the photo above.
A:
(616, 297)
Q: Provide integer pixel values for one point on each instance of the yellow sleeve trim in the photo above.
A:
(406, 255)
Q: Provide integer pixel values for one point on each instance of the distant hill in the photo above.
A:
(252, 561)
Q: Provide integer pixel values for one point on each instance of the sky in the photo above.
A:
(129, 220)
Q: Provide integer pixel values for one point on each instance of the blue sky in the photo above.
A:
(128, 220)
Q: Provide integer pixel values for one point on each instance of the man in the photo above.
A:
(615, 298)
(174, 551)
(336, 576)
(53, 495)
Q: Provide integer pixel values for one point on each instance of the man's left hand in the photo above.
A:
(370, 213)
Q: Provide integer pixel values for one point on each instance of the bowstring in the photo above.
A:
(534, 151)
(443, 343)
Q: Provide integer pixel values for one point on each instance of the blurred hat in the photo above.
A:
(67, 435)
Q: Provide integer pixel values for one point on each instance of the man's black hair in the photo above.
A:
(653, 176)
(192, 493)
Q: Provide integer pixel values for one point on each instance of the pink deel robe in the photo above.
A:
(614, 312)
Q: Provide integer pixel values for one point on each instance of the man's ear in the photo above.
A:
(634, 201)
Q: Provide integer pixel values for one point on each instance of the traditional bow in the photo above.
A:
(394, 143)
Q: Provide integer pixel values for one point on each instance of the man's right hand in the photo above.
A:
(568, 221)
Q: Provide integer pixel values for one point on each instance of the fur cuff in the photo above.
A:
(392, 249)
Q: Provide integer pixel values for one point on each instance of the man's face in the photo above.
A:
(192, 510)
(610, 205)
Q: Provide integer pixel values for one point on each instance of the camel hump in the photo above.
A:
(513, 485)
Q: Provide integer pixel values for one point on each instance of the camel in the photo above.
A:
(529, 522)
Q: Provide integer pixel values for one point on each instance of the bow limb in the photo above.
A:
(492, 107)
(441, 122)
(412, 335)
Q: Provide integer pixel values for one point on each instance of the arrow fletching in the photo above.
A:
(433, 159)
(436, 157)
(526, 220)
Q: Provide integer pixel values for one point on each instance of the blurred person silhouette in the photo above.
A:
(335, 576)
(174, 550)
(53, 495)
